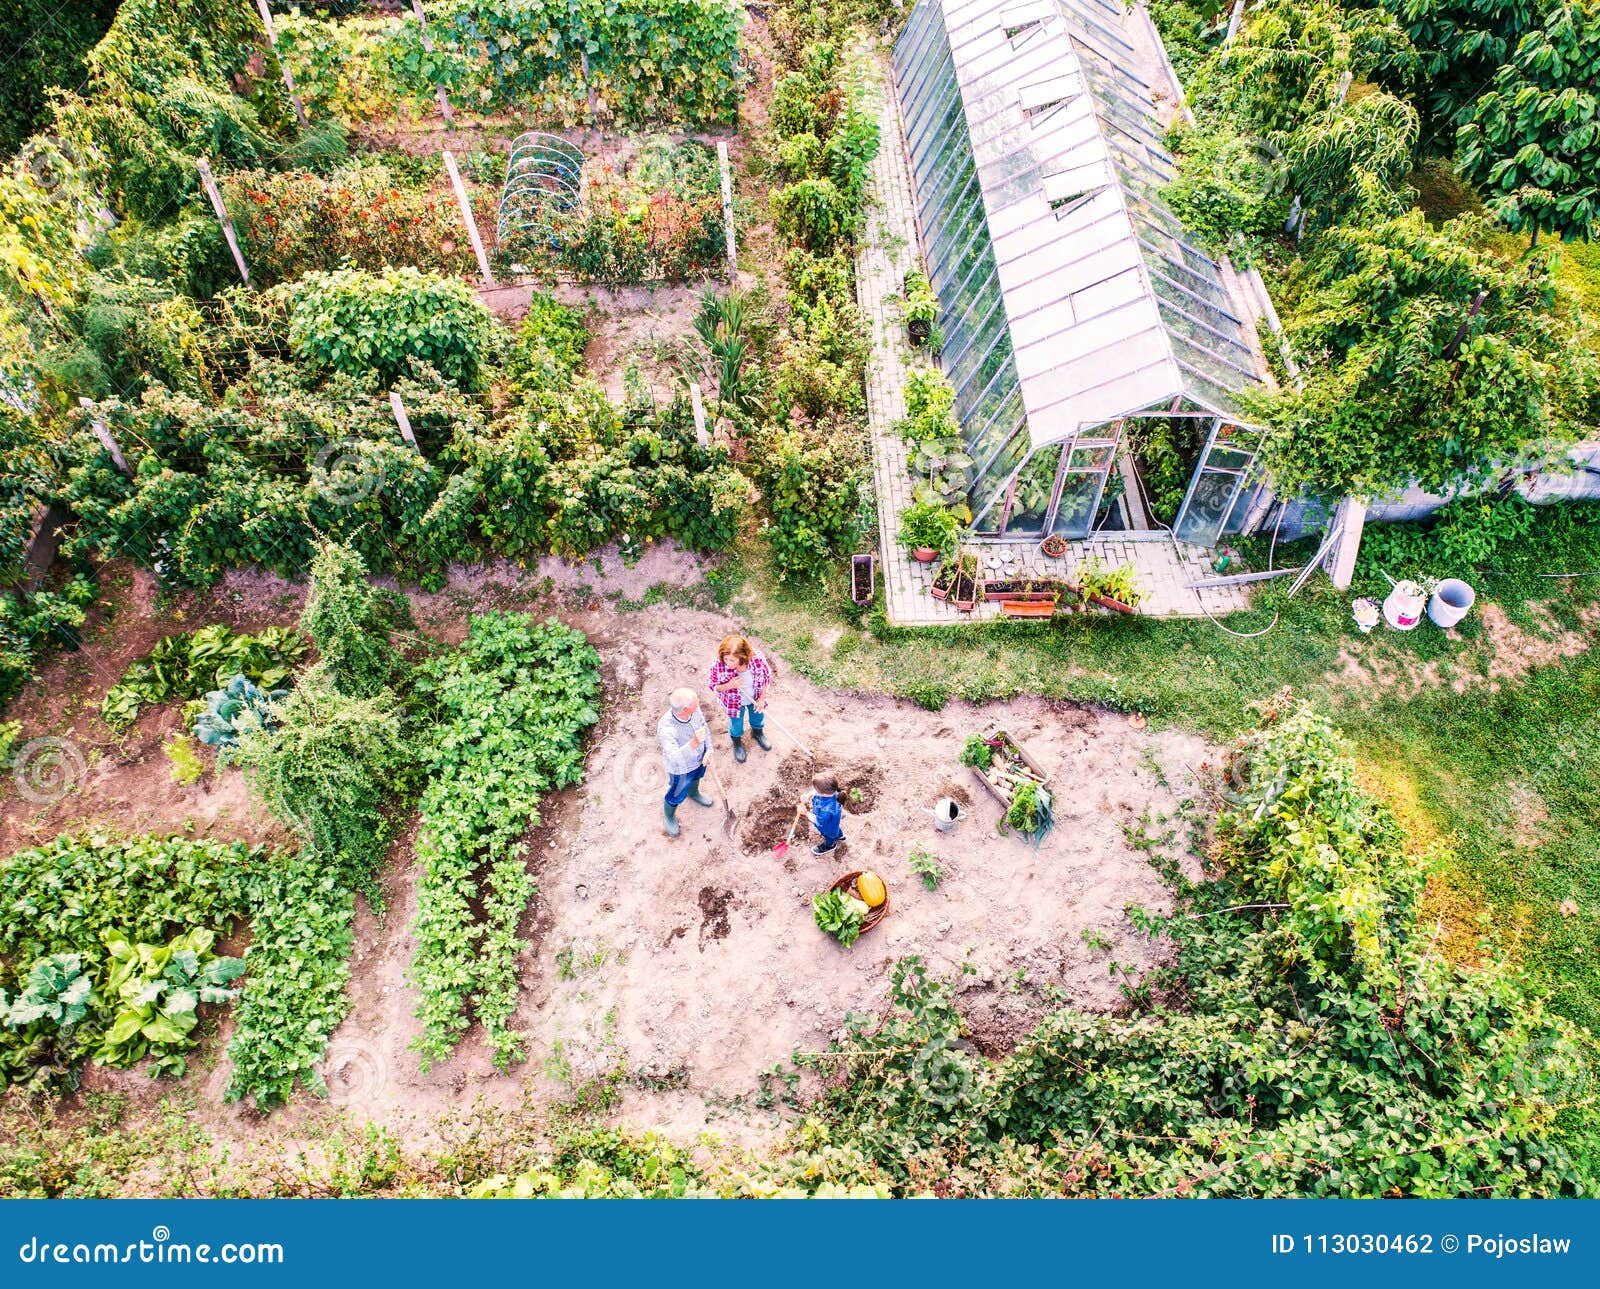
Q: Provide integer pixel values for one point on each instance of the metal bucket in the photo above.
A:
(945, 812)
(1452, 600)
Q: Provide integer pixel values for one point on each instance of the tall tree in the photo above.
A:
(1428, 359)
(1533, 143)
(1460, 45)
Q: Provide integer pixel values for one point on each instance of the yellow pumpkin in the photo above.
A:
(870, 886)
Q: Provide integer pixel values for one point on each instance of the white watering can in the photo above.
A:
(945, 812)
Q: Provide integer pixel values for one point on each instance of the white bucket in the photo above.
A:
(1403, 608)
(1451, 602)
(945, 812)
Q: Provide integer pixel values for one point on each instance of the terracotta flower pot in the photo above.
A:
(924, 554)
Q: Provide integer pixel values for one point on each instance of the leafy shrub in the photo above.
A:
(511, 706)
(812, 478)
(549, 344)
(356, 322)
(349, 621)
(815, 214)
(930, 407)
(648, 61)
(327, 769)
(1333, 1020)
(28, 620)
(1470, 533)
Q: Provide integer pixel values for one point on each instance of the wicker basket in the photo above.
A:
(846, 886)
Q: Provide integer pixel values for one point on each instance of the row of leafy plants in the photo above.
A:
(509, 711)
(1309, 1038)
(627, 64)
(823, 135)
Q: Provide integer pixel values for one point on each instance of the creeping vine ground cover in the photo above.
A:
(512, 706)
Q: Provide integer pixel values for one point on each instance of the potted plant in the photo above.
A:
(922, 309)
(1053, 546)
(1111, 588)
(926, 529)
(967, 588)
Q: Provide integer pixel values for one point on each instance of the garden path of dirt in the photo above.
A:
(693, 965)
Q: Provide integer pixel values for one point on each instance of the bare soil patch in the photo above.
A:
(692, 965)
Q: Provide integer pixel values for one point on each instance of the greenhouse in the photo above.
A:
(1077, 316)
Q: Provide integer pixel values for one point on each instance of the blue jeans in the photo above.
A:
(680, 787)
(736, 723)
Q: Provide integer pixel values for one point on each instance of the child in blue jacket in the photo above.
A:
(825, 812)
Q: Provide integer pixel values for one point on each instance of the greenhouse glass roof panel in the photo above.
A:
(1111, 309)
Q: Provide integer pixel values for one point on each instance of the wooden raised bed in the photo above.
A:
(994, 778)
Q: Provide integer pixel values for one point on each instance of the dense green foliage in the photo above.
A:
(643, 60)
(1318, 1046)
(511, 707)
(192, 663)
(86, 916)
(357, 323)
(331, 765)
(1410, 377)
(45, 51)
(1533, 140)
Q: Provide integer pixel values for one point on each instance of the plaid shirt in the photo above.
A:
(721, 673)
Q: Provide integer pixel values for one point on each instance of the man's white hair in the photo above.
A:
(682, 698)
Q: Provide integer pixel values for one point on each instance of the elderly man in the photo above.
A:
(685, 740)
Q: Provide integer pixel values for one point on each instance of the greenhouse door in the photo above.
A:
(1218, 489)
(1084, 470)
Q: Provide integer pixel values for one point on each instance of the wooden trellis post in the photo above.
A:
(727, 205)
(465, 203)
(401, 419)
(102, 431)
(288, 79)
(427, 47)
(215, 193)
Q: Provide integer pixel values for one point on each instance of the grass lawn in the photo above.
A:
(1501, 773)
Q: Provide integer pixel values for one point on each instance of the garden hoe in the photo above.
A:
(810, 755)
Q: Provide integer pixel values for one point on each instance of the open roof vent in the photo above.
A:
(1066, 190)
(1022, 22)
(1043, 97)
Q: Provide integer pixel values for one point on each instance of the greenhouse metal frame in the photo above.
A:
(1071, 299)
